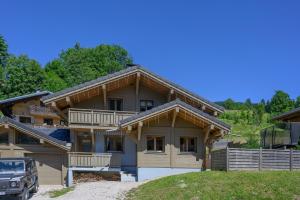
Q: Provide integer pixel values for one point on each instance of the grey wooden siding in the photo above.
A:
(255, 159)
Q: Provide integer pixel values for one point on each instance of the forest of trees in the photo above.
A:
(22, 75)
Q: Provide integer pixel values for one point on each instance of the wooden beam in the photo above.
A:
(137, 89)
(69, 101)
(203, 107)
(42, 141)
(54, 106)
(104, 95)
(176, 111)
(6, 126)
(140, 125)
(207, 131)
(129, 129)
(215, 113)
(170, 95)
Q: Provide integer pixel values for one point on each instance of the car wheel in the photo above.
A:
(25, 194)
(35, 188)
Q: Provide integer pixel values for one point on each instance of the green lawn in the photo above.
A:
(222, 185)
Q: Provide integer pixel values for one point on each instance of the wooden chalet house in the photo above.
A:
(133, 122)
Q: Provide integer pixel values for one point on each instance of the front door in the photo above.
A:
(84, 142)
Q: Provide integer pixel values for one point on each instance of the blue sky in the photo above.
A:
(218, 49)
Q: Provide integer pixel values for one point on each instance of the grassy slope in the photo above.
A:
(242, 131)
(222, 185)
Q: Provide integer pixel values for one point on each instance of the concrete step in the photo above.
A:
(127, 177)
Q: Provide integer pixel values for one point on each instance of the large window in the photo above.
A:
(3, 137)
(113, 144)
(146, 105)
(156, 143)
(188, 144)
(22, 138)
(115, 104)
(25, 120)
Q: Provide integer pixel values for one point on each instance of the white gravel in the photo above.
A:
(102, 190)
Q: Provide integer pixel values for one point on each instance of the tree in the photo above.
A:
(297, 102)
(229, 104)
(248, 104)
(3, 58)
(3, 51)
(77, 65)
(281, 102)
(23, 76)
(53, 82)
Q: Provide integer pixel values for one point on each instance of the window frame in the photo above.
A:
(146, 102)
(5, 143)
(50, 119)
(186, 141)
(155, 142)
(115, 104)
(106, 144)
(24, 116)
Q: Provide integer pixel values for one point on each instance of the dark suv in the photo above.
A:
(18, 177)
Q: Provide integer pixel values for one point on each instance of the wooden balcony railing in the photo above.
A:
(40, 110)
(79, 159)
(97, 117)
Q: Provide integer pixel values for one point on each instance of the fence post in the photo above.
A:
(291, 159)
(227, 159)
(260, 159)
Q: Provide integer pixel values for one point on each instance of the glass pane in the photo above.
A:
(3, 138)
(182, 144)
(160, 144)
(119, 104)
(22, 138)
(48, 121)
(111, 104)
(25, 120)
(114, 143)
(143, 103)
(192, 145)
(150, 144)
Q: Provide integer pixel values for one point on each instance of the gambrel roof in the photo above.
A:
(129, 71)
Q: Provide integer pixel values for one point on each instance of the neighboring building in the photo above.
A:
(285, 133)
(133, 122)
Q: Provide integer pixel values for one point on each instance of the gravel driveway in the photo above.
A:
(103, 190)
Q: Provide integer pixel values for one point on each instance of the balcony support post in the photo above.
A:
(104, 95)
(140, 125)
(69, 101)
(137, 89)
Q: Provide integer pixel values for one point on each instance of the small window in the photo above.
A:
(156, 143)
(188, 144)
(4, 138)
(113, 144)
(116, 104)
(25, 120)
(48, 121)
(146, 105)
(22, 138)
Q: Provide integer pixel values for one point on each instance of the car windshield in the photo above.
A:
(12, 166)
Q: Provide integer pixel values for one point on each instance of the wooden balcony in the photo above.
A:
(92, 160)
(96, 118)
(42, 111)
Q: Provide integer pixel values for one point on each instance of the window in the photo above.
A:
(146, 105)
(156, 143)
(113, 143)
(116, 104)
(25, 120)
(22, 138)
(188, 144)
(4, 138)
(48, 121)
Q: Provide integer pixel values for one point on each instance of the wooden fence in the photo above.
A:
(232, 159)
